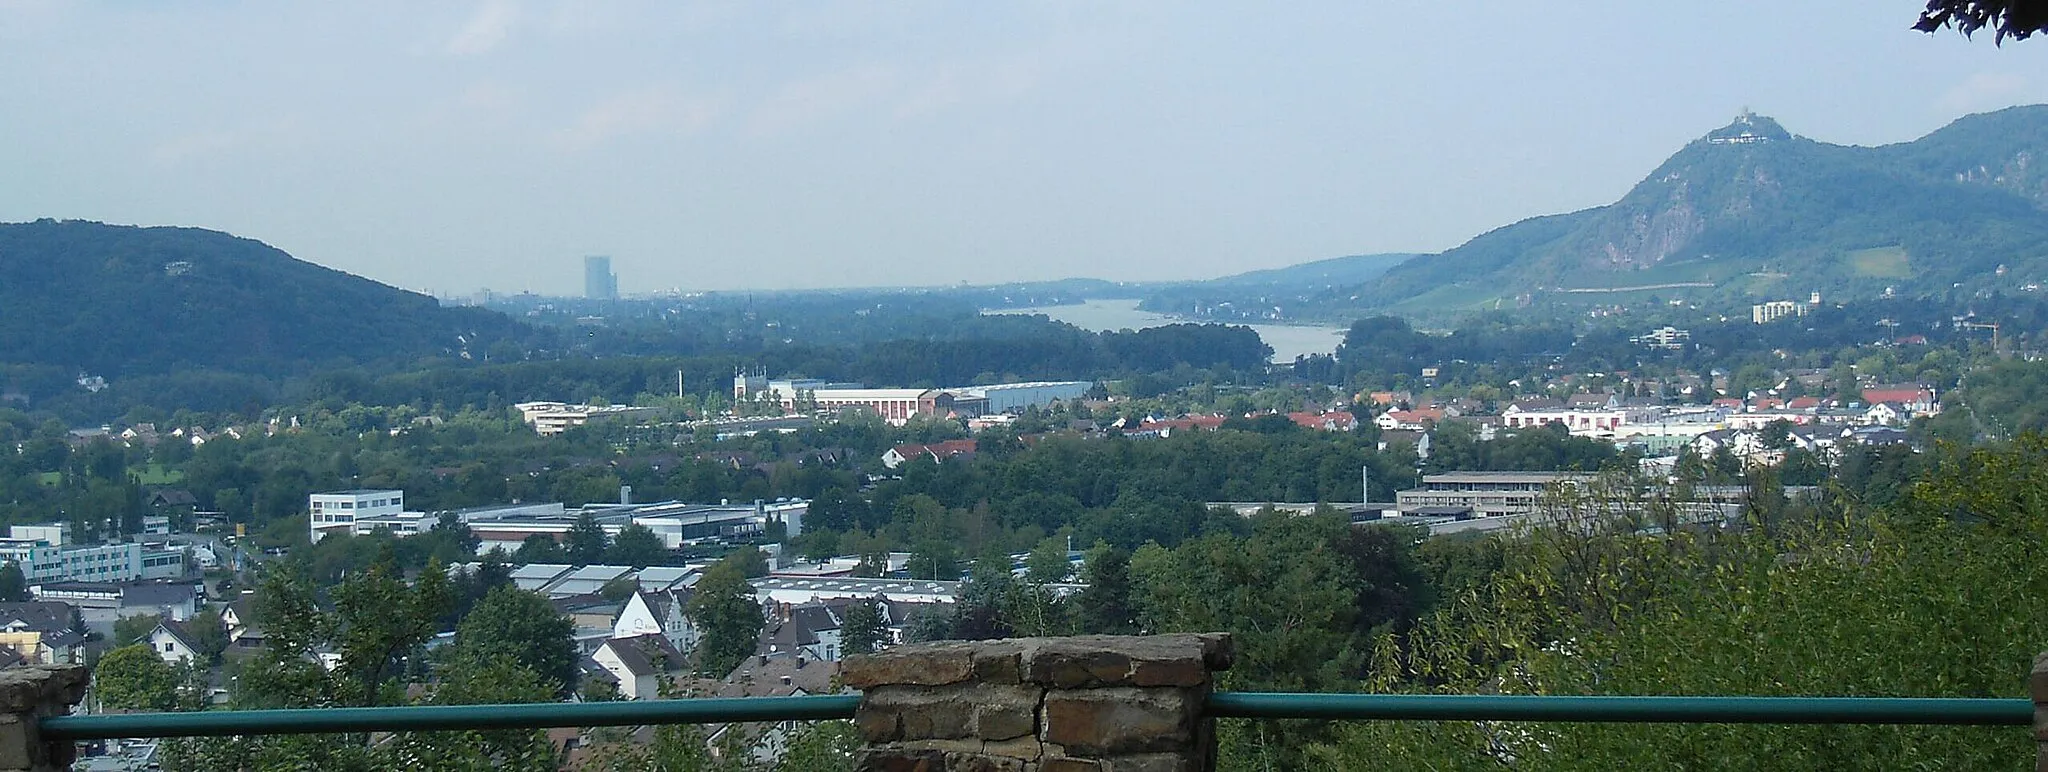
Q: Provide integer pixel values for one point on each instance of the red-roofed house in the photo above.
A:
(1413, 420)
(1334, 421)
(1913, 397)
(938, 452)
(1166, 428)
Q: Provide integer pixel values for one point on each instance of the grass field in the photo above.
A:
(1881, 263)
(154, 474)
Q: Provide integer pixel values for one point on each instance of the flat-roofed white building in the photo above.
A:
(337, 511)
(1484, 494)
(552, 418)
(1013, 397)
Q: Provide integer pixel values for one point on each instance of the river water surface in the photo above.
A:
(1288, 341)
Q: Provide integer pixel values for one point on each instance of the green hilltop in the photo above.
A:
(1750, 211)
(111, 299)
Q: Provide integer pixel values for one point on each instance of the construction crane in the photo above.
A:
(1982, 326)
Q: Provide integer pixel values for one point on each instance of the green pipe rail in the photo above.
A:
(1397, 707)
(423, 718)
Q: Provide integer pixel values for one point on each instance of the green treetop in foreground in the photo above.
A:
(1935, 597)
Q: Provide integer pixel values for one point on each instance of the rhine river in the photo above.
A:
(1288, 341)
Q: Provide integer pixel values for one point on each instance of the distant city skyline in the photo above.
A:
(493, 144)
(599, 283)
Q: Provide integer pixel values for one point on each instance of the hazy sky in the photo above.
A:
(451, 146)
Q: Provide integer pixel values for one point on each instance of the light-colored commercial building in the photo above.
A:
(1485, 494)
(42, 556)
(1015, 397)
(552, 418)
(337, 511)
(1765, 313)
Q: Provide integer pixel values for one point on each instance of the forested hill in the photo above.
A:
(111, 299)
(1256, 294)
(1751, 211)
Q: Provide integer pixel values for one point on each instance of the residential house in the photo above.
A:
(177, 601)
(1886, 414)
(664, 613)
(1333, 421)
(1419, 419)
(1166, 428)
(938, 452)
(1914, 399)
(785, 676)
(640, 663)
(1416, 439)
(173, 642)
(41, 632)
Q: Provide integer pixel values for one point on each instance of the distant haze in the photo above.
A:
(453, 146)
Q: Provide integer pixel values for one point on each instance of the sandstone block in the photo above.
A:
(1004, 712)
(924, 664)
(900, 760)
(1102, 722)
(1070, 765)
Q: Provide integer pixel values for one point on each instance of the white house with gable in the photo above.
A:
(658, 613)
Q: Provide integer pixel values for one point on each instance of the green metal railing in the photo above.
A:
(1399, 707)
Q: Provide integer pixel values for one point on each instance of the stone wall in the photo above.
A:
(1104, 703)
(27, 693)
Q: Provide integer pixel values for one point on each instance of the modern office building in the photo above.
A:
(44, 555)
(552, 418)
(337, 512)
(599, 283)
(676, 523)
(1013, 397)
(1481, 494)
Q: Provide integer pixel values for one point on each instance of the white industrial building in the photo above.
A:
(44, 554)
(337, 511)
(1013, 397)
(552, 418)
(676, 523)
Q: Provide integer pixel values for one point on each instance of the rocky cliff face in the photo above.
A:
(1752, 199)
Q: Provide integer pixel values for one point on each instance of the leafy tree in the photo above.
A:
(934, 559)
(862, 631)
(723, 607)
(539, 548)
(130, 629)
(619, 589)
(482, 680)
(2016, 19)
(209, 635)
(750, 560)
(13, 586)
(987, 594)
(514, 623)
(380, 622)
(637, 546)
(1047, 563)
(135, 678)
(586, 542)
(1104, 606)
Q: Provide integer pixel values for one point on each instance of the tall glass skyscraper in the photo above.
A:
(599, 283)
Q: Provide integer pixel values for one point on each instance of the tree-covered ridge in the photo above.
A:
(1750, 211)
(112, 300)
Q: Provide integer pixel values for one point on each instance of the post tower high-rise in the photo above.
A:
(599, 283)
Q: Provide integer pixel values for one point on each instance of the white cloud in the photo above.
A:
(487, 29)
(281, 133)
(1985, 91)
(808, 101)
(637, 112)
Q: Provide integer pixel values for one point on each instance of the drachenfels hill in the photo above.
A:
(1752, 210)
